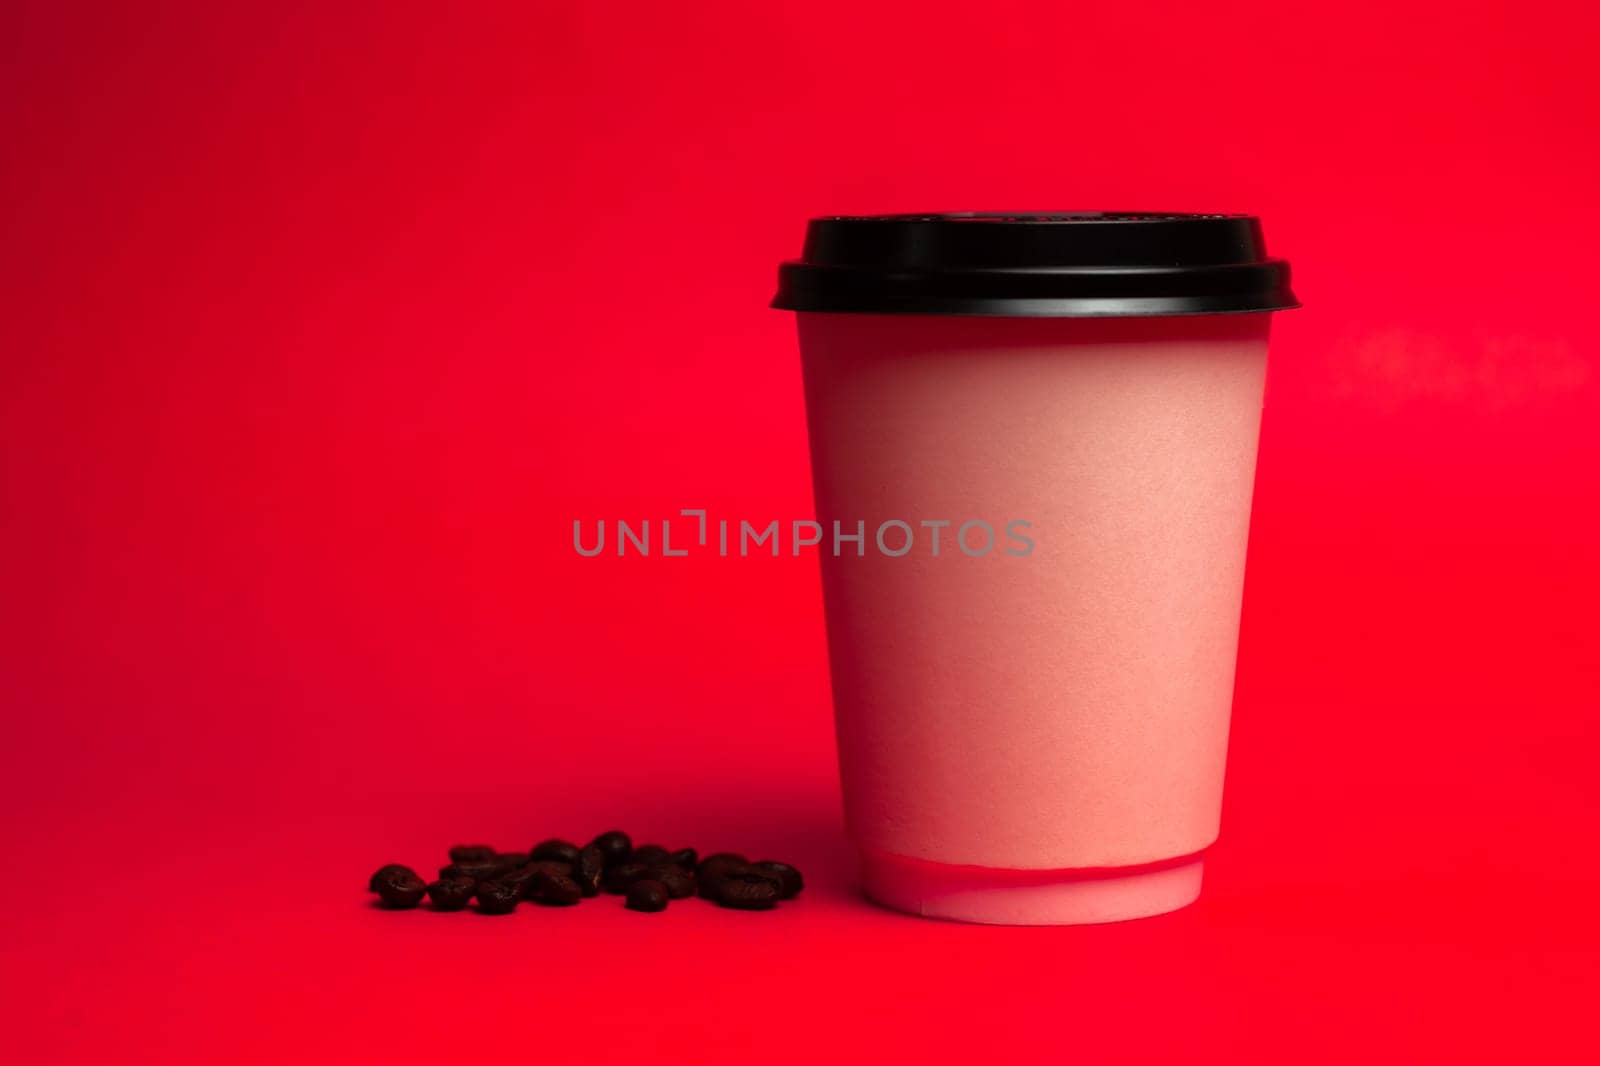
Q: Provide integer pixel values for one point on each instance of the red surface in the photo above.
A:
(323, 324)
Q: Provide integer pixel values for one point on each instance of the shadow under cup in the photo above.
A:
(1034, 488)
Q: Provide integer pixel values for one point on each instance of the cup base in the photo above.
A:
(1030, 897)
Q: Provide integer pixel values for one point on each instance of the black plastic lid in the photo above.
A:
(1050, 264)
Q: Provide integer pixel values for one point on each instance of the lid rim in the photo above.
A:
(1035, 264)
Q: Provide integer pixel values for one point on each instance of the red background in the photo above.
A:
(323, 323)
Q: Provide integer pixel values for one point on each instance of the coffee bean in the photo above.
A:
(712, 864)
(553, 889)
(708, 875)
(401, 889)
(615, 846)
(517, 878)
(383, 871)
(789, 877)
(650, 854)
(678, 882)
(587, 871)
(559, 850)
(451, 895)
(750, 870)
(646, 895)
(618, 878)
(495, 897)
(746, 888)
(471, 871)
(523, 878)
(556, 872)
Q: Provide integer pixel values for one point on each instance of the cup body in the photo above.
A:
(1033, 731)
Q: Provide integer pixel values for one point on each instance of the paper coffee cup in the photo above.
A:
(1037, 437)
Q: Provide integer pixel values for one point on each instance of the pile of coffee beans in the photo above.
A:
(557, 873)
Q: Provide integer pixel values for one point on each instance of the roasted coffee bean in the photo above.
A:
(678, 882)
(383, 871)
(650, 854)
(711, 869)
(523, 877)
(451, 895)
(790, 878)
(401, 889)
(591, 865)
(495, 897)
(722, 859)
(517, 878)
(559, 850)
(646, 895)
(750, 870)
(747, 889)
(556, 872)
(618, 878)
(553, 889)
(614, 846)
(471, 871)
